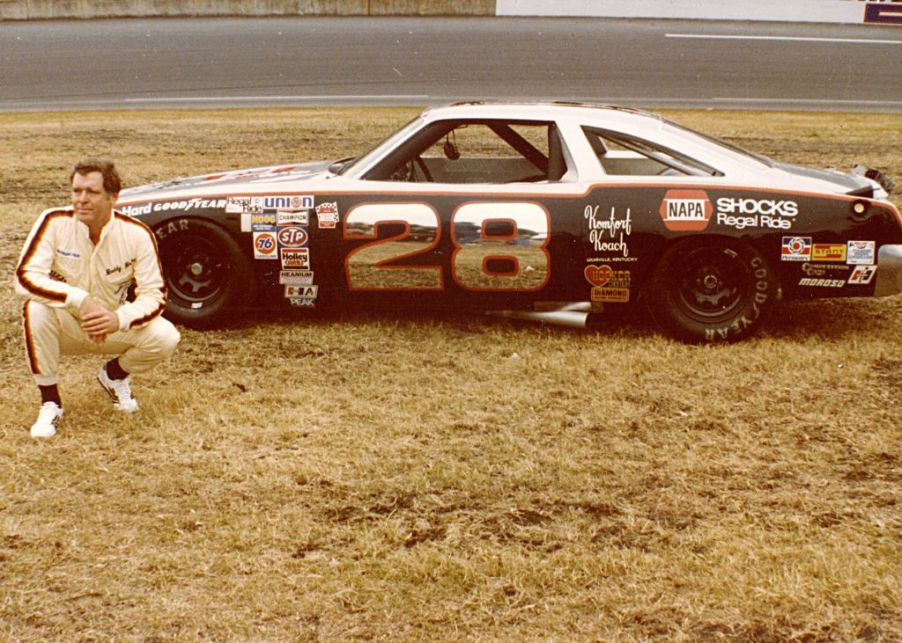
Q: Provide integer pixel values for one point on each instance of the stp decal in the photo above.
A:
(292, 237)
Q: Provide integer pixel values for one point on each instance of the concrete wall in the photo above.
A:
(835, 11)
(48, 9)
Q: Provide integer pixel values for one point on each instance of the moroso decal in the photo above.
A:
(686, 210)
(822, 283)
(796, 249)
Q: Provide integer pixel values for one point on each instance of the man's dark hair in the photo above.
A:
(112, 182)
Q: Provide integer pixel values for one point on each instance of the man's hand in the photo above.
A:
(97, 321)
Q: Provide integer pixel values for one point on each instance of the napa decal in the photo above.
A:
(686, 210)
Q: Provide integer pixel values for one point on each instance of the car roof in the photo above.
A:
(539, 111)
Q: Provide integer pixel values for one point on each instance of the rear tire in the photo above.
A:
(711, 290)
(205, 272)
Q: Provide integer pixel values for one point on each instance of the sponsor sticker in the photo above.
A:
(308, 292)
(238, 204)
(822, 270)
(828, 252)
(609, 231)
(282, 202)
(861, 252)
(302, 302)
(327, 214)
(295, 258)
(292, 237)
(822, 283)
(265, 245)
(741, 213)
(796, 249)
(602, 294)
(292, 217)
(604, 275)
(296, 277)
(686, 210)
(862, 275)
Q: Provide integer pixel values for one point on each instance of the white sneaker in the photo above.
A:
(120, 392)
(48, 417)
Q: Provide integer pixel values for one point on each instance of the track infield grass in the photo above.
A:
(415, 477)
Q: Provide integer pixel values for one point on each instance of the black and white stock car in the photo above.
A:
(550, 211)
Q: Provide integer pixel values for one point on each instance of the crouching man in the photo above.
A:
(93, 283)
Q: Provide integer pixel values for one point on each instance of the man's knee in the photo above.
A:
(169, 338)
(39, 316)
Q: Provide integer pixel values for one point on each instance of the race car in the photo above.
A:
(546, 211)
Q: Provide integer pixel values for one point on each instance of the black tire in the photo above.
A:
(711, 290)
(205, 272)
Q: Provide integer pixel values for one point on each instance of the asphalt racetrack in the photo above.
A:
(218, 62)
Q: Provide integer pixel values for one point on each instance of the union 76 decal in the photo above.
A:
(496, 247)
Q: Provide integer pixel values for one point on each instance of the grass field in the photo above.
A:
(423, 478)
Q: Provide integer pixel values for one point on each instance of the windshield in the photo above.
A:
(347, 165)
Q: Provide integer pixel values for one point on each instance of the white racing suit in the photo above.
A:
(60, 266)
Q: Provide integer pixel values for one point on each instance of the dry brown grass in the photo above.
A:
(372, 477)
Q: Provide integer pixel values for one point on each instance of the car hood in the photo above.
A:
(230, 181)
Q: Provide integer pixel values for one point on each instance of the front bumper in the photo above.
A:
(889, 271)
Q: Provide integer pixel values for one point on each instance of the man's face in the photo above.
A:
(92, 203)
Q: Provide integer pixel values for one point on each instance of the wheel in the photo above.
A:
(205, 272)
(711, 290)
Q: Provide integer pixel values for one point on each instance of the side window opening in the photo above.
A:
(624, 155)
(487, 151)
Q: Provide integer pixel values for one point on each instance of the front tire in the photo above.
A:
(205, 272)
(711, 290)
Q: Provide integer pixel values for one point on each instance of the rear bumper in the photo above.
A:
(889, 271)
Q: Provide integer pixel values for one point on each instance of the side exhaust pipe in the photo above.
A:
(570, 315)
